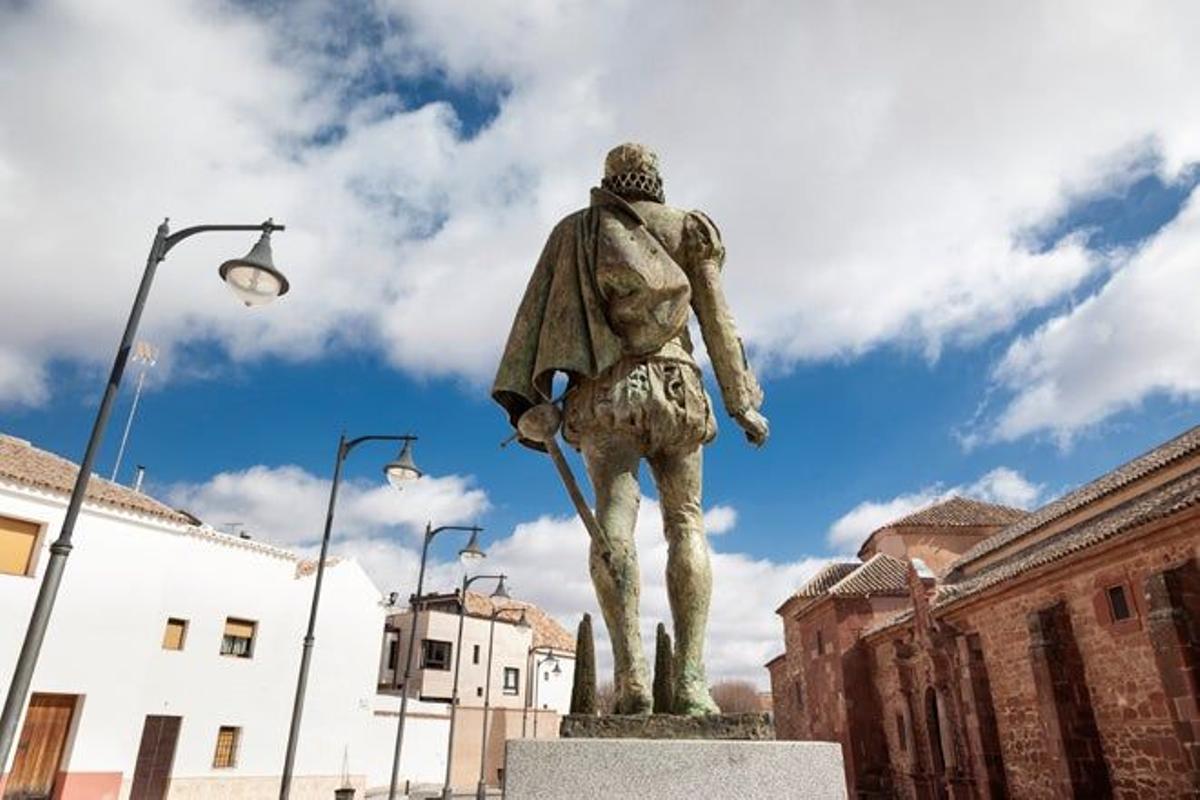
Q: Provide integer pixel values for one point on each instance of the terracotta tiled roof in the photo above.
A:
(826, 576)
(24, 464)
(1173, 496)
(1164, 455)
(547, 632)
(890, 622)
(881, 575)
(959, 512)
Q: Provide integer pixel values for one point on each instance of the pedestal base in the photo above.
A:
(667, 726)
(663, 769)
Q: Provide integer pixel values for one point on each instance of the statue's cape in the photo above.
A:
(561, 324)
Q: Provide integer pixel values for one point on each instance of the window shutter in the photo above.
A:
(17, 538)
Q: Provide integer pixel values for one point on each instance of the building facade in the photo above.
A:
(532, 669)
(1055, 656)
(170, 662)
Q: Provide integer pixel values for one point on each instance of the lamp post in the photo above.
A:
(523, 622)
(472, 553)
(501, 593)
(255, 281)
(549, 659)
(398, 471)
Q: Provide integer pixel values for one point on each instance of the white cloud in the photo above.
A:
(1137, 336)
(545, 558)
(872, 168)
(287, 504)
(1002, 485)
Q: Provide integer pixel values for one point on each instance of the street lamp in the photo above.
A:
(537, 669)
(399, 471)
(522, 622)
(501, 593)
(470, 554)
(251, 278)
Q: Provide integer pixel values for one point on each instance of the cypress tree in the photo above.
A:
(583, 692)
(664, 678)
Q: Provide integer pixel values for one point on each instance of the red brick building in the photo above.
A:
(981, 652)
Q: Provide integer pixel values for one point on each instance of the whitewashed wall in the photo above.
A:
(126, 576)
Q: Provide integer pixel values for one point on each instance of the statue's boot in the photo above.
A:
(613, 470)
(689, 574)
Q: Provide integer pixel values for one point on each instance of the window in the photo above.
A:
(1118, 603)
(475, 655)
(393, 657)
(512, 679)
(799, 695)
(435, 654)
(901, 734)
(175, 633)
(479, 691)
(17, 538)
(238, 640)
(228, 738)
(820, 644)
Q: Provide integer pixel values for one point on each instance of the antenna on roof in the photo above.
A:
(141, 476)
(146, 355)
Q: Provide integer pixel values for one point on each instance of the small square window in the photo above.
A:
(228, 738)
(175, 634)
(512, 680)
(238, 639)
(1118, 603)
(479, 691)
(17, 540)
(435, 654)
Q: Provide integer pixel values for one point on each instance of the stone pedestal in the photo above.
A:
(664, 769)
(748, 726)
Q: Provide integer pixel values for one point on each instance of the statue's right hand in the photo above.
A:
(755, 425)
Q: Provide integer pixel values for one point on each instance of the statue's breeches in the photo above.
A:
(658, 403)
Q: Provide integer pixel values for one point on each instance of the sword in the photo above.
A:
(541, 424)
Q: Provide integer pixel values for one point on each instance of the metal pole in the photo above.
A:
(137, 395)
(529, 657)
(536, 670)
(447, 791)
(481, 790)
(414, 608)
(18, 690)
(289, 759)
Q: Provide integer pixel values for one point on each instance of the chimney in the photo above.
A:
(141, 476)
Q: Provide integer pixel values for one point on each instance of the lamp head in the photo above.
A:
(501, 592)
(402, 469)
(254, 279)
(472, 553)
(523, 620)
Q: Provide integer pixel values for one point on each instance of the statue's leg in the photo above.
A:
(689, 573)
(612, 464)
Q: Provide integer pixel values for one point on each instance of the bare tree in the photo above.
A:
(606, 698)
(735, 697)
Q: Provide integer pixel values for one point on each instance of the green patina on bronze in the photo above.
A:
(608, 305)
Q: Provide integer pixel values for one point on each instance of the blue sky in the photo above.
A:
(953, 280)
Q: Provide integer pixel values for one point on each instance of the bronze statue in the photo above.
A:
(608, 306)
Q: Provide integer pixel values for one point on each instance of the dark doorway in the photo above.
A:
(156, 755)
(41, 746)
(933, 724)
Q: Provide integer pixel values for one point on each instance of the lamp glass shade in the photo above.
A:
(402, 469)
(253, 279)
(501, 592)
(472, 553)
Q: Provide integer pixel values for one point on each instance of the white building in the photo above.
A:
(529, 688)
(171, 658)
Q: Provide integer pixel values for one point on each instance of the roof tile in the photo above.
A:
(22, 463)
